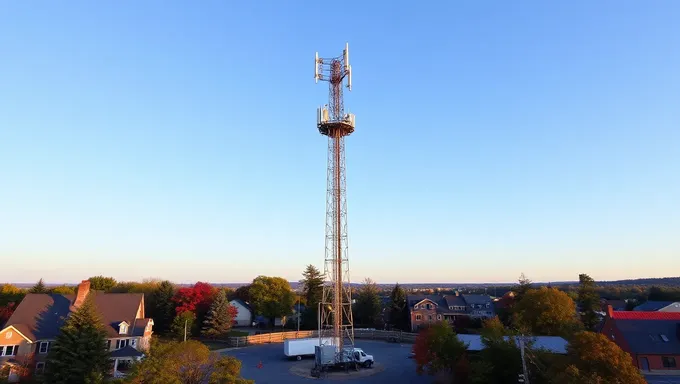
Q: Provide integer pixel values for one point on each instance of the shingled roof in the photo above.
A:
(40, 316)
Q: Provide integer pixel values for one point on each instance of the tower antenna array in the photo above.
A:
(336, 325)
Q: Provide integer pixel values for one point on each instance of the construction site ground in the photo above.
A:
(267, 364)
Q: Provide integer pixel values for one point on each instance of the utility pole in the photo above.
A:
(185, 330)
(299, 313)
(525, 377)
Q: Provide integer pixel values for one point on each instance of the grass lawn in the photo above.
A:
(238, 333)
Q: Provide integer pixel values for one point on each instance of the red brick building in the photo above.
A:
(651, 338)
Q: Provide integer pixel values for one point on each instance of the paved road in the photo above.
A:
(275, 367)
(652, 379)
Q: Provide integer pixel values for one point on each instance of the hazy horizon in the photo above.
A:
(179, 140)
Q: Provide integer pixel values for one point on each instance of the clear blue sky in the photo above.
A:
(177, 140)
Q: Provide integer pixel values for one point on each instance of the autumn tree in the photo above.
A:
(398, 309)
(39, 287)
(312, 290)
(271, 297)
(63, 290)
(220, 317)
(183, 325)
(242, 293)
(546, 311)
(196, 299)
(11, 294)
(6, 312)
(437, 350)
(588, 301)
(594, 359)
(368, 307)
(79, 349)
(186, 363)
(163, 311)
(102, 283)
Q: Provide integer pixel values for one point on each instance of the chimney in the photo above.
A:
(610, 311)
(83, 290)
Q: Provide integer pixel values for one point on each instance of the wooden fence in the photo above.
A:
(279, 337)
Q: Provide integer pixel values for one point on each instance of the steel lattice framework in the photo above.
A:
(335, 315)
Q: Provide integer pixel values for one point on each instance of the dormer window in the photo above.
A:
(123, 328)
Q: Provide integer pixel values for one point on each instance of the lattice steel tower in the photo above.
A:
(336, 326)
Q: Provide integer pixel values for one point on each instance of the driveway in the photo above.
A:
(662, 379)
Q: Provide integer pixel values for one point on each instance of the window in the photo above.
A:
(418, 317)
(429, 317)
(10, 350)
(8, 335)
(122, 343)
(439, 317)
(664, 338)
(487, 305)
(451, 307)
(415, 306)
(44, 347)
(123, 328)
(133, 342)
(108, 345)
(668, 362)
(40, 367)
(429, 306)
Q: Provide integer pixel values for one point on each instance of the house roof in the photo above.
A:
(639, 315)
(443, 302)
(651, 336)
(40, 316)
(127, 351)
(554, 344)
(454, 301)
(477, 299)
(659, 306)
(243, 303)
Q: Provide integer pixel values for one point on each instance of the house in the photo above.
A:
(652, 339)
(428, 309)
(479, 306)
(659, 306)
(35, 324)
(244, 316)
(618, 305)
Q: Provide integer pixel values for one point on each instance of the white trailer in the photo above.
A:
(302, 347)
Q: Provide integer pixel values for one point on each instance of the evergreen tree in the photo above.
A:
(182, 325)
(220, 317)
(588, 301)
(79, 351)
(39, 287)
(523, 285)
(367, 308)
(312, 289)
(399, 314)
(163, 311)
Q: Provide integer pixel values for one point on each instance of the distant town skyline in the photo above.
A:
(174, 140)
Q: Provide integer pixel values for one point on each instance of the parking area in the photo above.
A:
(275, 367)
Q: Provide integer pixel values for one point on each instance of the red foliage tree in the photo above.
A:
(437, 351)
(196, 298)
(6, 311)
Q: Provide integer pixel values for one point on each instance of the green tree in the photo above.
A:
(183, 325)
(271, 297)
(63, 290)
(10, 294)
(437, 350)
(312, 290)
(588, 301)
(501, 357)
(185, 363)
(398, 307)
(39, 287)
(522, 287)
(220, 317)
(101, 283)
(367, 308)
(546, 311)
(79, 351)
(594, 359)
(163, 311)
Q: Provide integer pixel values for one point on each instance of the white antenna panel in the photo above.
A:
(316, 67)
(349, 78)
(346, 56)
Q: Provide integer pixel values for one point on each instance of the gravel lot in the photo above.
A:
(398, 368)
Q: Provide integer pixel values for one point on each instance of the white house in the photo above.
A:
(245, 313)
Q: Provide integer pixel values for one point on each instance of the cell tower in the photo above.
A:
(336, 326)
